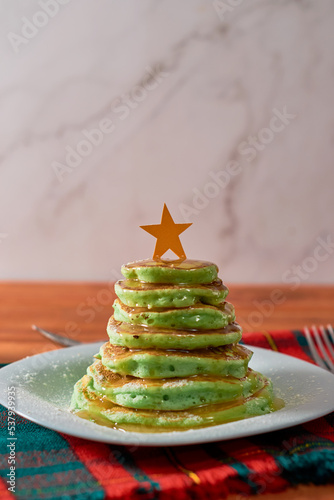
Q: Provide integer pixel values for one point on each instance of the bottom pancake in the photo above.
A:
(87, 404)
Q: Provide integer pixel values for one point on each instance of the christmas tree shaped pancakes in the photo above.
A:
(173, 361)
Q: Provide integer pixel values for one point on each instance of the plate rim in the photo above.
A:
(173, 438)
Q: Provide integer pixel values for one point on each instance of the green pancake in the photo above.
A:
(170, 394)
(134, 293)
(143, 337)
(229, 360)
(198, 317)
(90, 406)
(186, 272)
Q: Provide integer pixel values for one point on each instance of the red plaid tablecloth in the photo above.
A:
(57, 466)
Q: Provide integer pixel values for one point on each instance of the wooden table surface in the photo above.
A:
(81, 311)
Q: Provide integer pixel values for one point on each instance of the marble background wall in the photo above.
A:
(222, 109)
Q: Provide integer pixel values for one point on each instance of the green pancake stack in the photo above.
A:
(173, 361)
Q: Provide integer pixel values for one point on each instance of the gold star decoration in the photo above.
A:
(167, 234)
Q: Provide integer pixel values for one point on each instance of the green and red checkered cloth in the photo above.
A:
(58, 466)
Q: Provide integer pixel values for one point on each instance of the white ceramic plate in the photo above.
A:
(44, 384)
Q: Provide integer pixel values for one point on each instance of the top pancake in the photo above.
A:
(186, 272)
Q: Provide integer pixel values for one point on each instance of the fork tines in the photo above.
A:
(321, 343)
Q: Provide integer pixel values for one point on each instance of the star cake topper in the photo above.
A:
(167, 234)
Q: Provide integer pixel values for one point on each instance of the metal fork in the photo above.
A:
(321, 341)
(56, 338)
